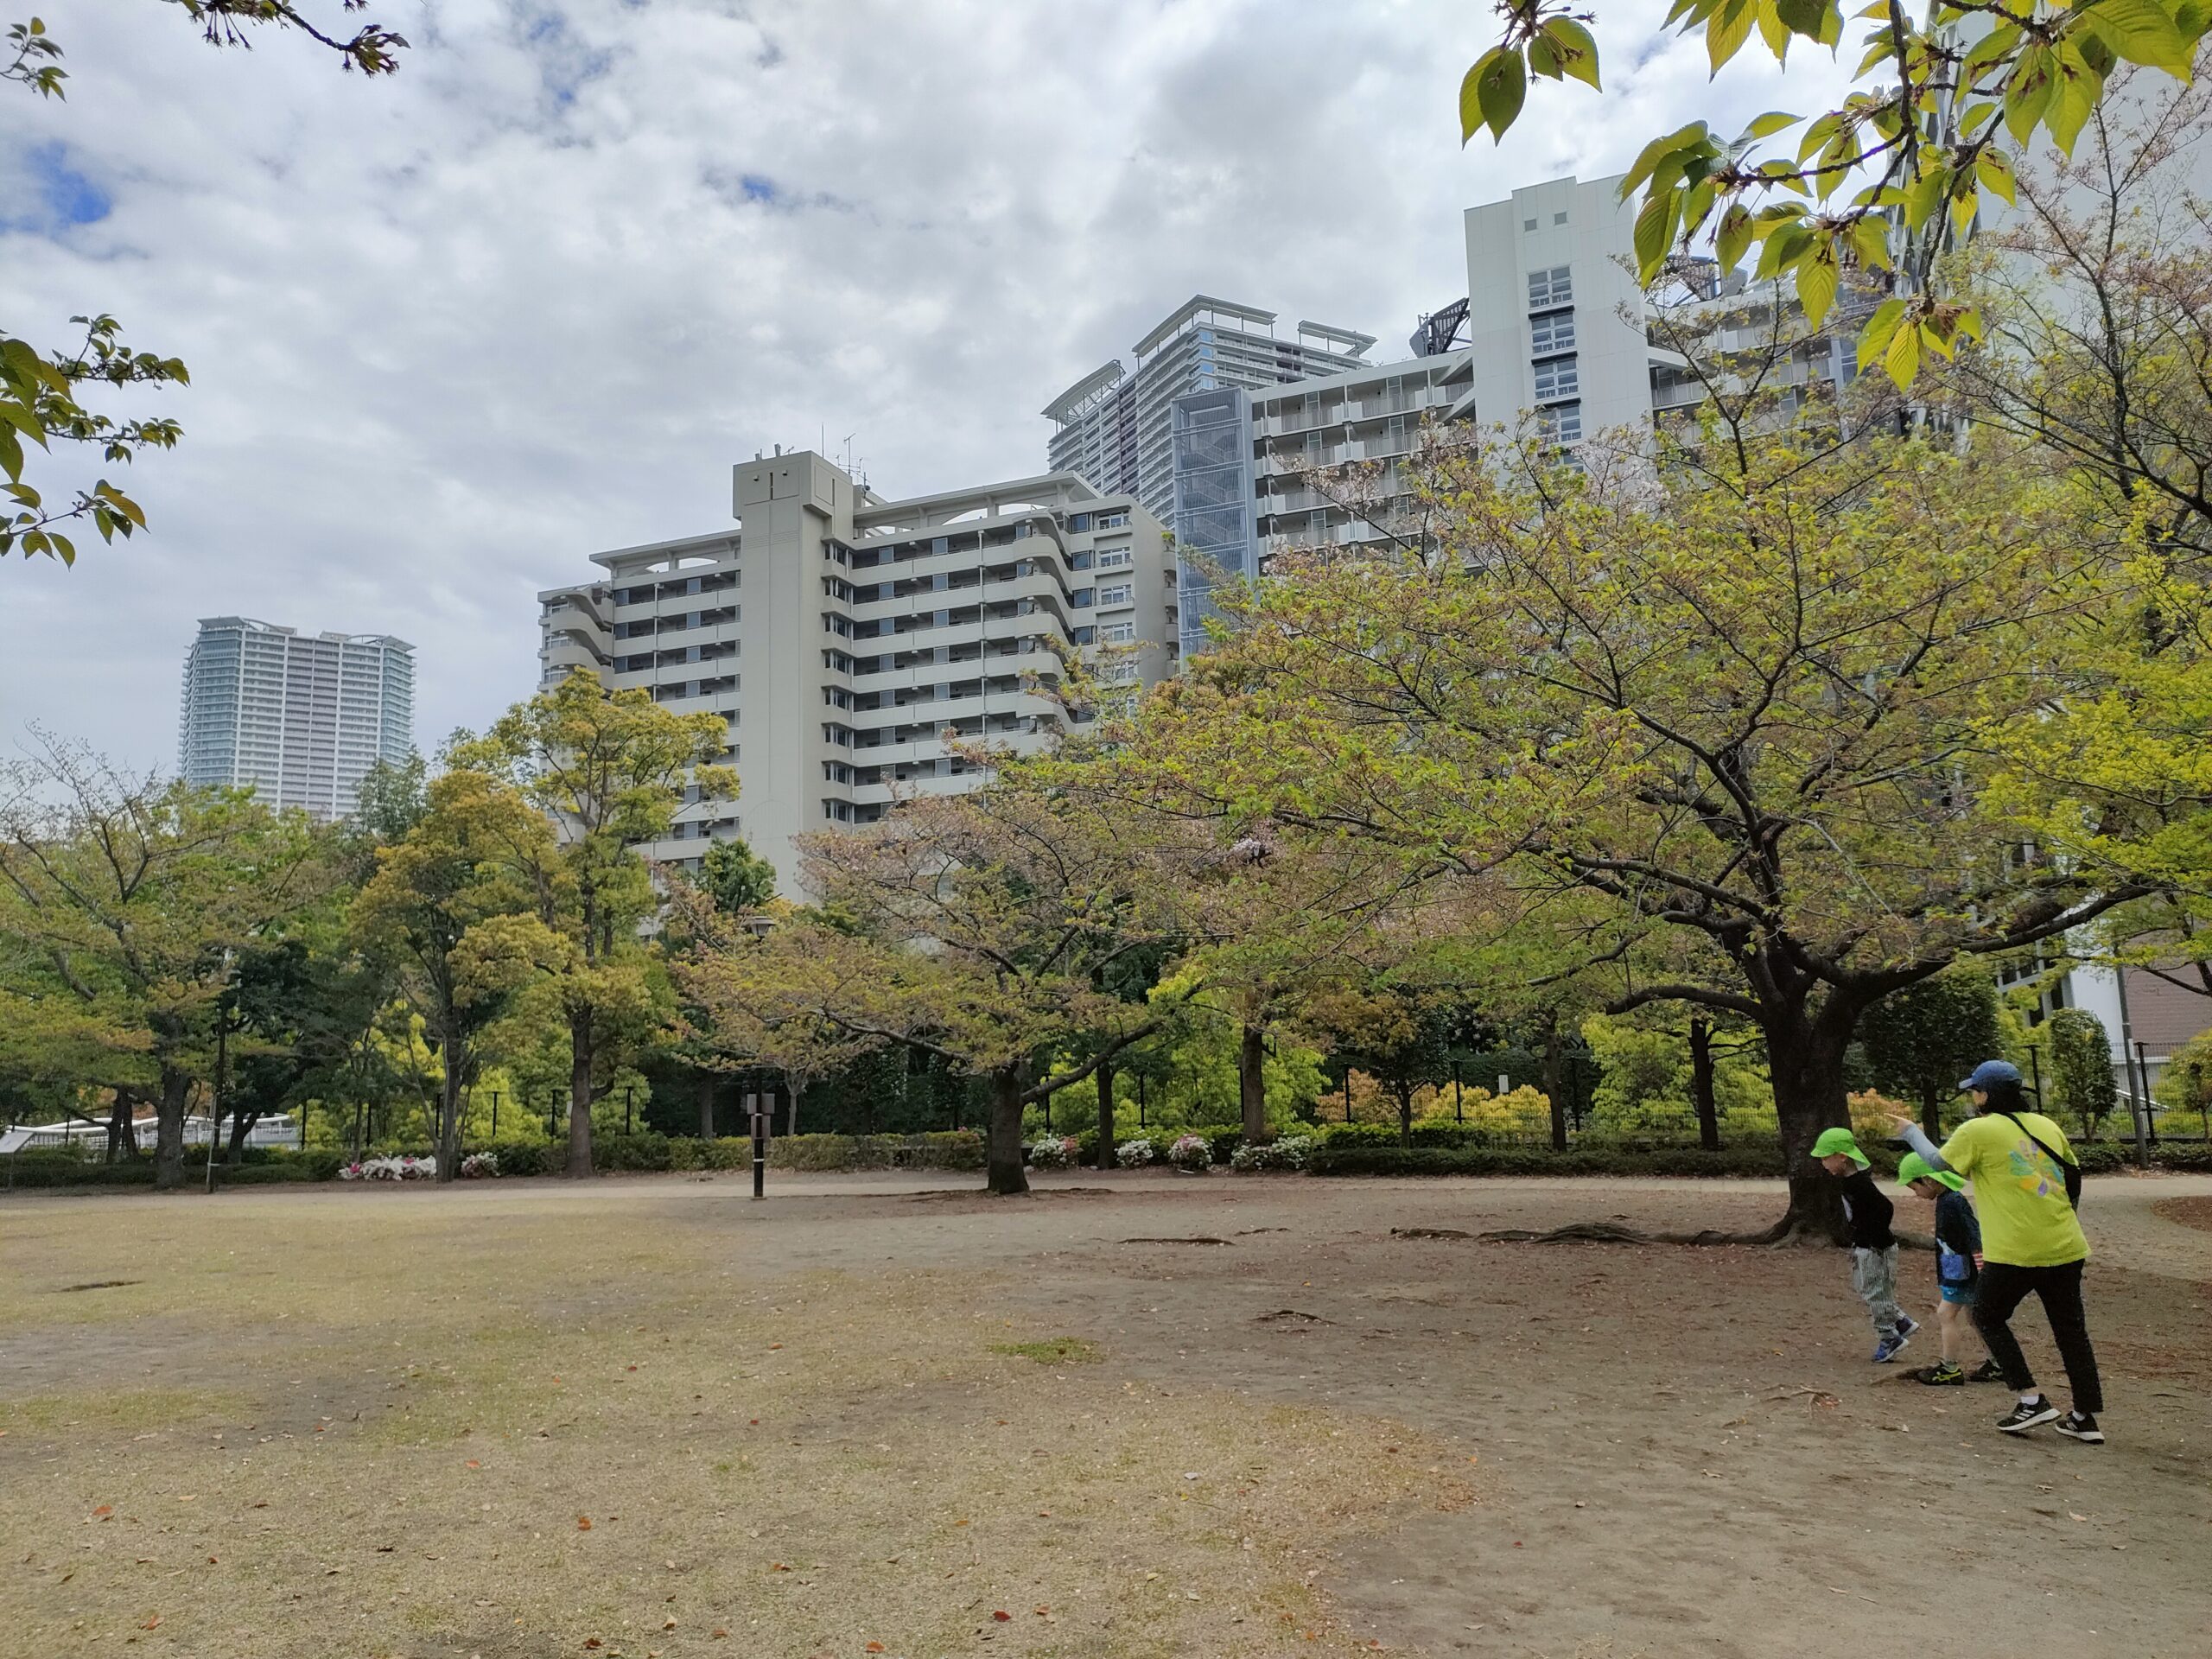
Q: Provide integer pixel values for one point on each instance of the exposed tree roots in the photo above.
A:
(1174, 1240)
(1782, 1234)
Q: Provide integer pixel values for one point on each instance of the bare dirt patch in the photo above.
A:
(841, 1418)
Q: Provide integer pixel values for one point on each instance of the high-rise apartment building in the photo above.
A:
(298, 717)
(1114, 429)
(843, 637)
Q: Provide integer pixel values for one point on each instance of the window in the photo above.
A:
(1555, 286)
(1122, 593)
(1559, 218)
(1552, 333)
(1112, 558)
(1116, 633)
(1557, 377)
(1528, 224)
(1561, 422)
(1118, 520)
(1084, 596)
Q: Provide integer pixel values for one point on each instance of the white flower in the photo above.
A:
(1134, 1155)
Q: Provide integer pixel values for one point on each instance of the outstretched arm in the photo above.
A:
(1919, 1143)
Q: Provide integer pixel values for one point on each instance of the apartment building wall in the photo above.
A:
(298, 718)
(1114, 429)
(1554, 311)
(1244, 464)
(849, 633)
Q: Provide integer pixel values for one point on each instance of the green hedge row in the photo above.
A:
(1530, 1161)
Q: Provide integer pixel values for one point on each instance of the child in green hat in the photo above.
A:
(1874, 1246)
(1958, 1266)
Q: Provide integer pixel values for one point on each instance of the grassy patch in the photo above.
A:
(1054, 1350)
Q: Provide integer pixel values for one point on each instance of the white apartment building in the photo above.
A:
(843, 636)
(1113, 428)
(297, 717)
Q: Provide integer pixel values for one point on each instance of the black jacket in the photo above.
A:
(1868, 1212)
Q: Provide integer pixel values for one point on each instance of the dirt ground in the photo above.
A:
(648, 1417)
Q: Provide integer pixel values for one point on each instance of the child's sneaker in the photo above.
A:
(2081, 1426)
(1907, 1325)
(1944, 1376)
(1889, 1348)
(1988, 1371)
(2027, 1415)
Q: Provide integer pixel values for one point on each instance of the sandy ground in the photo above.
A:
(338, 1421)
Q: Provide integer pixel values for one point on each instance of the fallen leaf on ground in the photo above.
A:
(583, 1523)
(103, 1511)
(1001, 1614)
(472, 1464)
(873, 1647)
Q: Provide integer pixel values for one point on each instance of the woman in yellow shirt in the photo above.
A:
(2031, 1241)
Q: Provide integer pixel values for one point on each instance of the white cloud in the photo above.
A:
(454, 330)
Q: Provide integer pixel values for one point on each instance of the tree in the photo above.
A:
(1886, 178)
(1400, 1036)
(453, 906)
(137, 897)
(1740, 702)
(2080, 1066)
(43, 396)
(982, 929)
(1921, 1039)
(737, 878)
(609, 770)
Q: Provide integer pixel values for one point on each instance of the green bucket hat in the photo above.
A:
(1834, 1141)
(1913, 1167)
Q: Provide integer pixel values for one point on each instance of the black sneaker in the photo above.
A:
(2081, 1426)
(2027, 1415)
(1945, 1375)
(1988, 1371)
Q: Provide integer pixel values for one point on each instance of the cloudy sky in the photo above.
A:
(452, 331)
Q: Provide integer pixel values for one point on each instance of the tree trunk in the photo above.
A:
(1003, 1152)
(1405, 1093)
(241, 1126)
(706, 1105)
(1252, 1085)
(453, 1063)
(169, 1137)
(1806, 1057)
(1105, 1156)
(1555, 1080)
(1931, 1114)
(1708, 1117)
(580, 1059)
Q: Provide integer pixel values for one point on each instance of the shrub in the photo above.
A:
(1536, 1160)
(648, 1149)
(480, 1166)
(393, 1167)
(949, 1149)
(522, 1157)
(1223, 1143)
(61, 1168)
(1191, 1153)
(1054, 1152)
(1358, 1135)
(1289, 1151)
(1137, 1153)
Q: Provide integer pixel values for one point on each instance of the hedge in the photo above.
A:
(943, 1149)
(1356, 1160)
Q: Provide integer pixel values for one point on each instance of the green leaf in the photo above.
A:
(1657, 150)
(1994, 169)
(1804, 18)
(1901, 360)
(1816, 282)
(1543, 57)
(1655, 231)
(2028, 93)
(1492, 93)
(1875, 337)
(1578, 52)
(1783, 248)
(1733, 236)
(12, 455)
(1729, 29)
(2139, 30)
(1774, 31)
(1767, 125)
(2072, 102)
(1870, 236)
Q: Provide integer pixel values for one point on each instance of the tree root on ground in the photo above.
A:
(1174, 1240)
(1781, 1235)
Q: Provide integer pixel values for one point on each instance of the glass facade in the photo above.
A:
(1214, 531)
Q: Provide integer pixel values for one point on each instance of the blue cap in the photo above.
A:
(1988, 1075)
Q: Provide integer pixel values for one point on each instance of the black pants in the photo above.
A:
(2001, 1289)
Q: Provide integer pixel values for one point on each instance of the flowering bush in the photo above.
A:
(1135, 1155)
(479, 1166)
(1289, 1151)
(399, 1167)
(1192, 1153)
(1055, 1152)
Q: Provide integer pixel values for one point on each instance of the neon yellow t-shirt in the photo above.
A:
(2019, 1192)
